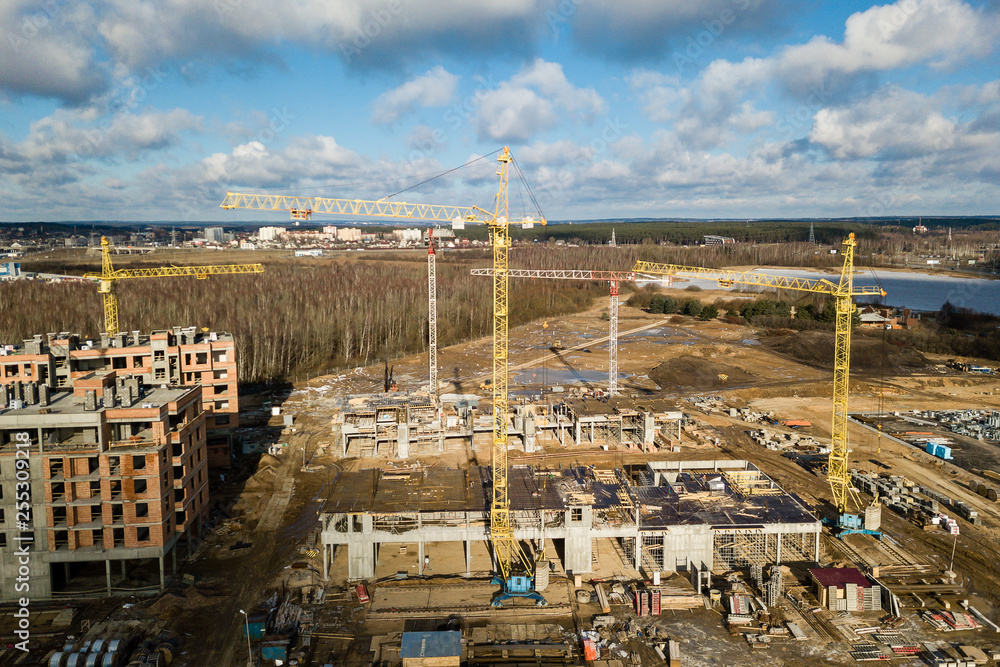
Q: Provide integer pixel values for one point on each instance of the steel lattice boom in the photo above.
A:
(302, 208)
(109, 277)
(508, 551)
(843, 293)
(612, 277)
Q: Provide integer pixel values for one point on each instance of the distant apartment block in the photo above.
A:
(179, 357)
(408, 234)
(215, 235)
(112, 470)
(270, 233)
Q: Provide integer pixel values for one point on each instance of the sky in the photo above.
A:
(153, 109)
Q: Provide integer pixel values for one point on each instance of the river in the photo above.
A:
(919, 291)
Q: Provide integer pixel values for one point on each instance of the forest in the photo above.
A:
(308, 315)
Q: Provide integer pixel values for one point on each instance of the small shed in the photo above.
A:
(845, 589)
(431, 649)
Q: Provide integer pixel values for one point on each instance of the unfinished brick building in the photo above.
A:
(121, 479)
(181, 356)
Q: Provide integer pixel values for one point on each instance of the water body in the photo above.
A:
(919, 291)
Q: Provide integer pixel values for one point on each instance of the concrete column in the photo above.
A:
(173, 559)
(326, 562)
(777, 556)
(529, 434)
(162, 578)
(638, 551)
(468, 557)
(403, 441)
(420, 557)
(66, 570)
(124, 572)
(648, 431)
(107, 574)
(360, 559)
(816, 557)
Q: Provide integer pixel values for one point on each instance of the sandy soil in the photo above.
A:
(275, 504)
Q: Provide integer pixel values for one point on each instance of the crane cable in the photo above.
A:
(444, 173)
(880, 403)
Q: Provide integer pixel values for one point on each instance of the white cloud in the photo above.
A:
(433, 89)
(80, 134)
(532, 101)
(44, 54)
(912, 141)
(706, 112)
(141, 32)
(938, 32)
(893, 124)
(647, 29)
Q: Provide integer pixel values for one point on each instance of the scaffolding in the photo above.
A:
(739, 548)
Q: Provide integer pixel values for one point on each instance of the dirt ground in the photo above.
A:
(272, 502)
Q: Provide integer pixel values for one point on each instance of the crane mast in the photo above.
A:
(515, 569)
(838, 474)
(109, 277)
(612, 277)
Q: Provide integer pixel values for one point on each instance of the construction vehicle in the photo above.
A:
(516, 570)
(109, 277)
(838, 474)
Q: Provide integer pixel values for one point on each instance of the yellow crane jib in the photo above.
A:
(515, 568)
(109, 277)
(843, 290)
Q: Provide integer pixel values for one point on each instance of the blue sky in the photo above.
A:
(153, 109)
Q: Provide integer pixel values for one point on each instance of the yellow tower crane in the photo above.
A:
(838, 473)
(109, 277)
(515, 568)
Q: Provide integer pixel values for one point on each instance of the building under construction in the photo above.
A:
(176, 357)
(86, 480)
(401, 424)
(665, 516)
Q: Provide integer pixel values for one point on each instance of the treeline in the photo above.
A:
(649, 300)
(299, 316)
(693, 233)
